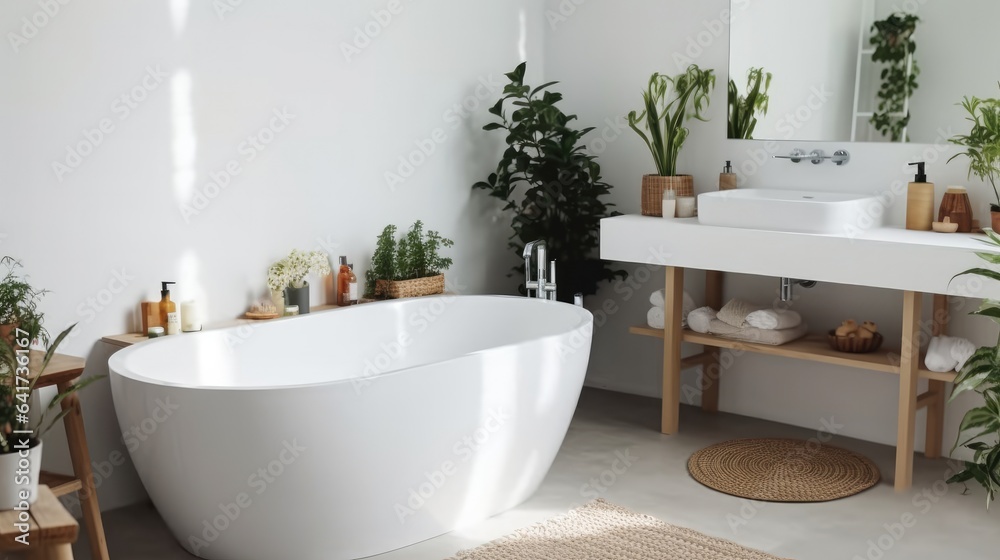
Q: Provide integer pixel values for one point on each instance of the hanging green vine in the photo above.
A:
(895, 46)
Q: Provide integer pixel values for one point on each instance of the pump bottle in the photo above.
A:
(920, 201)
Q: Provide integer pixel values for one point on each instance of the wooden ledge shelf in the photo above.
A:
(812, 348)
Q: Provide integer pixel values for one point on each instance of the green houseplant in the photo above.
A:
(550, 184)
(288, 276)
(409, 267)
(21, 428)
(982, 374)
(668, 103)
(982, 146)
(19, 304)
(743, 110)
(895, 47)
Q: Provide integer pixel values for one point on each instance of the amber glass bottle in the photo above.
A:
(344, 283)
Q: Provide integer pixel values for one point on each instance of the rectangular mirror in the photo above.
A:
(860, 70)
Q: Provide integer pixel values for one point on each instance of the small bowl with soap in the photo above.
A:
(854, 338)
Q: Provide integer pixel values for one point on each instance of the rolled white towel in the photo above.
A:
(962, 350)
(774, 320)
(658, 299)
(655, 318)
(736, 311)
(939, 356)
(700, 319)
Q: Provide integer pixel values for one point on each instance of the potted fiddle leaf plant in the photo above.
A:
(982, 146)
(288, 276)
(979, 431)
(409, 267)
(549, 184)
(744, 110)
(669, 102)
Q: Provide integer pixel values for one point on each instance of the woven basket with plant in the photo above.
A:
(409, 267)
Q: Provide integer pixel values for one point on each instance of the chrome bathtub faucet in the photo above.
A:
(541, 287)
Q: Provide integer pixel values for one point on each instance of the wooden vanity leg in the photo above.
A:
(908, 376)
(672, 335)
(80, 456)
(711, 372)
(933, 441)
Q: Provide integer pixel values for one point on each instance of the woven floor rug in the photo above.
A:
(783, 470)
(602, 531)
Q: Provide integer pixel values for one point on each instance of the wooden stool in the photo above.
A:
(51, 534)
(62, 372)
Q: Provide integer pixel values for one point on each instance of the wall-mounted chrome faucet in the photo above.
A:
(840, 157)
(541, 287)
(788, 283)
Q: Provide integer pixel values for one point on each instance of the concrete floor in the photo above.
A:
(942, 523)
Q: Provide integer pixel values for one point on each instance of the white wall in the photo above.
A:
(604, 53)
(811, 48)
(319, 183)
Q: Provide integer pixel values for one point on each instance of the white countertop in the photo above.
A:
(892, 258)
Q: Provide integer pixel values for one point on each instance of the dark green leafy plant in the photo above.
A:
(896, 48)
(561, 184)
(982, 374)
(743, 111)
(982, 143)
(383, 265)
(415, 255)
(19, 303)
(668, 103)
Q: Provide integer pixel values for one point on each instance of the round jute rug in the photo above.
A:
(783, 470)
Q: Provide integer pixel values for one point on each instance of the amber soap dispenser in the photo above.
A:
(347, 284)
(167, 307)
(920, 201)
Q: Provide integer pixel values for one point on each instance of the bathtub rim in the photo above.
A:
(116, 368)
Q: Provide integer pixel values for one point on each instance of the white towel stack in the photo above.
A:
(656, 317)
(744, 321)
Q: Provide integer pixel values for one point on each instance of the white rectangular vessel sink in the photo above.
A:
(791, 211)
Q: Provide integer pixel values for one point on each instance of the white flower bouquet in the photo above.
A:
(291, 271)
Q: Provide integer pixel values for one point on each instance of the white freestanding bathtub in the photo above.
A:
(352, 432)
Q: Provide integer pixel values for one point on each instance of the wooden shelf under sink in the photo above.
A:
(813, 348)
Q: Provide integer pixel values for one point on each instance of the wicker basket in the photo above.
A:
(855, 345)
(653, 187)
(395, 289)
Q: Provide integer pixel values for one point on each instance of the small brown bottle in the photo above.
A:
(343, 283)
(168, 309)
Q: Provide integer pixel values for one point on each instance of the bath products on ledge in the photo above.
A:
(727, 179)
(347, 284)
(167, 307)
(686, 207)
(920, 201)
(669, 204)
(190, 317)
(957, 207)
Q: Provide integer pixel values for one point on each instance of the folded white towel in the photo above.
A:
(773, 319)
(962, 350)
(736, 311)
(655, 318)
(658, 299)
(758, 336)
(701, 319)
